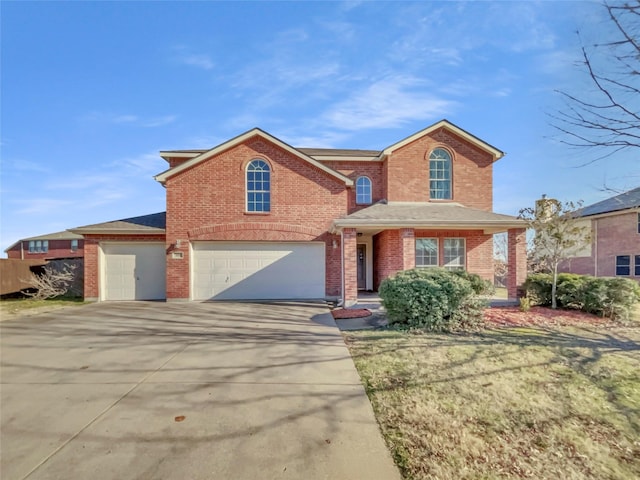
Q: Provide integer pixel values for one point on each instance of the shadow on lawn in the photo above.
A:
(577, 348)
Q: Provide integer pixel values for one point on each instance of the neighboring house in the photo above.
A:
(255, 218)
(52, 246)
(615, 238)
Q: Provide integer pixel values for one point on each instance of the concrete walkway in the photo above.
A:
(151, 390)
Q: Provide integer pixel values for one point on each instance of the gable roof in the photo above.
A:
(624, 201)
(497, 154)
(152, 224)
(201, 157)
(428, 215)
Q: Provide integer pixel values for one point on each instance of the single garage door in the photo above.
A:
(134, 272)
(258, 271)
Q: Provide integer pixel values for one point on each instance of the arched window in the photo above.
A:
(363, 190)
(258, 186)
(440, 174)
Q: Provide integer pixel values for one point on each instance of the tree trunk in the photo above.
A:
(554, 286)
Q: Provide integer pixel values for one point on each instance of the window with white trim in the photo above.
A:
(38, 246)
(440, 174)
(426, 252)
(454, 253)
(623, 265)
(74, 245)
(363, 190)
(637, 266)
(258, 187)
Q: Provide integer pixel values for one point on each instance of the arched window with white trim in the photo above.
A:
(363, 190)
(440, 174)
(258, 187)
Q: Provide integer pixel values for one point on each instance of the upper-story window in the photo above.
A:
(363, 190)
(74, 245)
(258, 186)
(440, 174)
(38, 246)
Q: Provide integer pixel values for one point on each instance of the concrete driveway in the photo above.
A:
(148, 390)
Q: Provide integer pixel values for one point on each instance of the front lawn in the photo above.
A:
(541, 402)
(16, 306)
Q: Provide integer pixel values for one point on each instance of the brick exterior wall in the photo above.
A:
(353, 170)
(472, 172)
(516, 260)
(611, 236)
(212, 194)
(57, 249)
(91, 258)
(350, 237)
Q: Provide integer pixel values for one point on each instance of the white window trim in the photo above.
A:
(464, 256)
(246, 188)
(615, 267)
(370, 201)
(437, 264)
(450, 197)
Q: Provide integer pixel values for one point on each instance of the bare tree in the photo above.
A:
(558, 235)
(608, 117)
(52, 282)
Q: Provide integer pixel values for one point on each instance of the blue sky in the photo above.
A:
(92, 91)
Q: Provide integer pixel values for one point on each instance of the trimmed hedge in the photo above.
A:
(433, 299)
(605, 296)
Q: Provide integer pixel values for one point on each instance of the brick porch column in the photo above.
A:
(350, 266)
(516, 260)
(408, 243)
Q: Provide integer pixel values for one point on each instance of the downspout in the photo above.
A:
(21, 250)
(595, 247)
(341, 300)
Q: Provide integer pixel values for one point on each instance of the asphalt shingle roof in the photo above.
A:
(630, 199)
(155, 222)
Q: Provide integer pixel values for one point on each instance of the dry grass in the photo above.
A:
(17, 306)
(525, 402)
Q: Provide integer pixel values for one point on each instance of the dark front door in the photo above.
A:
(362, 267)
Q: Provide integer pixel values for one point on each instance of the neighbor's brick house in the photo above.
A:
(52, 246)
(615, 238)
(255, 218)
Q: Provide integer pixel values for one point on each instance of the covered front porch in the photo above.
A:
(380, 240)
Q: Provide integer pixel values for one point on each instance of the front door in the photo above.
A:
(362, 267)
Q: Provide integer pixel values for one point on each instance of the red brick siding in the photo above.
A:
(57, 249)
(350, 237)
(516, 260)
(91, 262)
(353, 170)
(472, 175)
(617, 235)
(212, 193)
(388, 255)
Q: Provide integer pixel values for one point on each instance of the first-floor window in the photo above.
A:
(426, 252)
(623, 265)
(454, 253)
(637, 270)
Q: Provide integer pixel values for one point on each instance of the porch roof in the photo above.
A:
(427, 215)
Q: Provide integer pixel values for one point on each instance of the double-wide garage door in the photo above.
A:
(133, 272)
(258, 271)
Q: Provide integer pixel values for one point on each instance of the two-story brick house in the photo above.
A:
(255, 218)
(615, 238)
(51, 246)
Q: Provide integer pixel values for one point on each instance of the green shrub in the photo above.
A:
(525, 304)
(430, 298)
(538, 288)
(614, 298)
(570, 291)
(479, 285)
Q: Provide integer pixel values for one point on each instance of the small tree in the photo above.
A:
(558, 235)
(52, 282)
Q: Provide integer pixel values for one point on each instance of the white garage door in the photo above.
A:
(134, 272)
(258, 271)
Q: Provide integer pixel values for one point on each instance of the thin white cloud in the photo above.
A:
(184, 56)
(388, 103)
(39, 206)
(130, 119)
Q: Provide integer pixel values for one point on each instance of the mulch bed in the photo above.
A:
(342, 313)
(540, 316)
